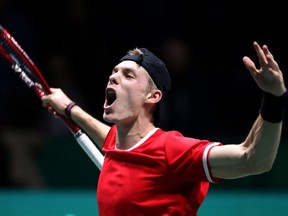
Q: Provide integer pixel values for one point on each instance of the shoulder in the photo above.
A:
(175, 137)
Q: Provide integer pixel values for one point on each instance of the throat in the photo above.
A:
(128, 142)
(132, 140)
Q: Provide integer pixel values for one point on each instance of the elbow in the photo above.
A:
(263, 169)
(256, 166)
(268, 167)
(253, 169)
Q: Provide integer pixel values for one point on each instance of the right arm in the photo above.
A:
(96, 129)
(258, 152)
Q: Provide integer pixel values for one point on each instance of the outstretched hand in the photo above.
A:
(269, 76)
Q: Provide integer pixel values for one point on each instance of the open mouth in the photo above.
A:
(110, 96)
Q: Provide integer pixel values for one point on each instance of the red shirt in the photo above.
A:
(163, 174)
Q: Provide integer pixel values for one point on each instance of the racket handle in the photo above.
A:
(90, 149)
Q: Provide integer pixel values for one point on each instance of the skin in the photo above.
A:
(257, 153)
(133, 104)
(131, 112)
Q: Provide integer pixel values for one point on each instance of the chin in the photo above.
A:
(107, 119)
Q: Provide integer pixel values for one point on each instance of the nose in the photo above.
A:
(114, 78)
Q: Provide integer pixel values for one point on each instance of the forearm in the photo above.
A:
(262, 145)
(263, 140)
(96, 129)
(258, 152)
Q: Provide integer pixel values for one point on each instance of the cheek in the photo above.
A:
(136, 97)
(135, 93)
(129, 106)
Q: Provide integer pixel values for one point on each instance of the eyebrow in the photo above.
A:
(123, 69)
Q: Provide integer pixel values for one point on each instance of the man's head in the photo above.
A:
(153, 65)
(136, 86)
(155, 68)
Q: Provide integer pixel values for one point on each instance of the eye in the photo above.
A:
(129, 76)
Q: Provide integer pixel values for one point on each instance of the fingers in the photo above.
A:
(53, 90)
(261, 53)
(249, 64)
(270, 59)
(45, 100)
(51, 110)
(266, 59)
(56, 99)
(269, 76)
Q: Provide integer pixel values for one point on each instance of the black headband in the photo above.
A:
(154, 66)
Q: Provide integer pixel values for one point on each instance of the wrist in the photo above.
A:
(69, 108)
(273, 107)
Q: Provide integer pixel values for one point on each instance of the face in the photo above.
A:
(126, 92)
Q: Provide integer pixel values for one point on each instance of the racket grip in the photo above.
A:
(90, 149)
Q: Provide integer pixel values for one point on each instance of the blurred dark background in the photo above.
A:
(76, 43)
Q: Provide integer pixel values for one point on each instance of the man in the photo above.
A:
(148, 171)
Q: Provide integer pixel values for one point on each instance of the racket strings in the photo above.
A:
(19, 66)
(27, 71)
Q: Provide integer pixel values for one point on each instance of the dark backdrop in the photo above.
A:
(76, 44)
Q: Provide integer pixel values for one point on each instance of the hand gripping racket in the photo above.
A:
(28, 72)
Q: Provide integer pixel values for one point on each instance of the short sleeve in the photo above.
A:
(188, 157)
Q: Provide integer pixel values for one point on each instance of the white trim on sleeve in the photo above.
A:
(205, 160)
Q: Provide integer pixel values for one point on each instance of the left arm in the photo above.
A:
(258, 152)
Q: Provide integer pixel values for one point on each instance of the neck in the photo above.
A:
(127, 136)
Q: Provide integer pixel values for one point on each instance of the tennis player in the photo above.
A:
(149, 171)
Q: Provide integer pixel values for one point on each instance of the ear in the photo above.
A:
(154, 96)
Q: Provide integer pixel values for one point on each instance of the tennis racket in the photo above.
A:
(27, 71)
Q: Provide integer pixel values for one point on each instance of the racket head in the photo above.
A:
(24, 67)
(19, 61)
